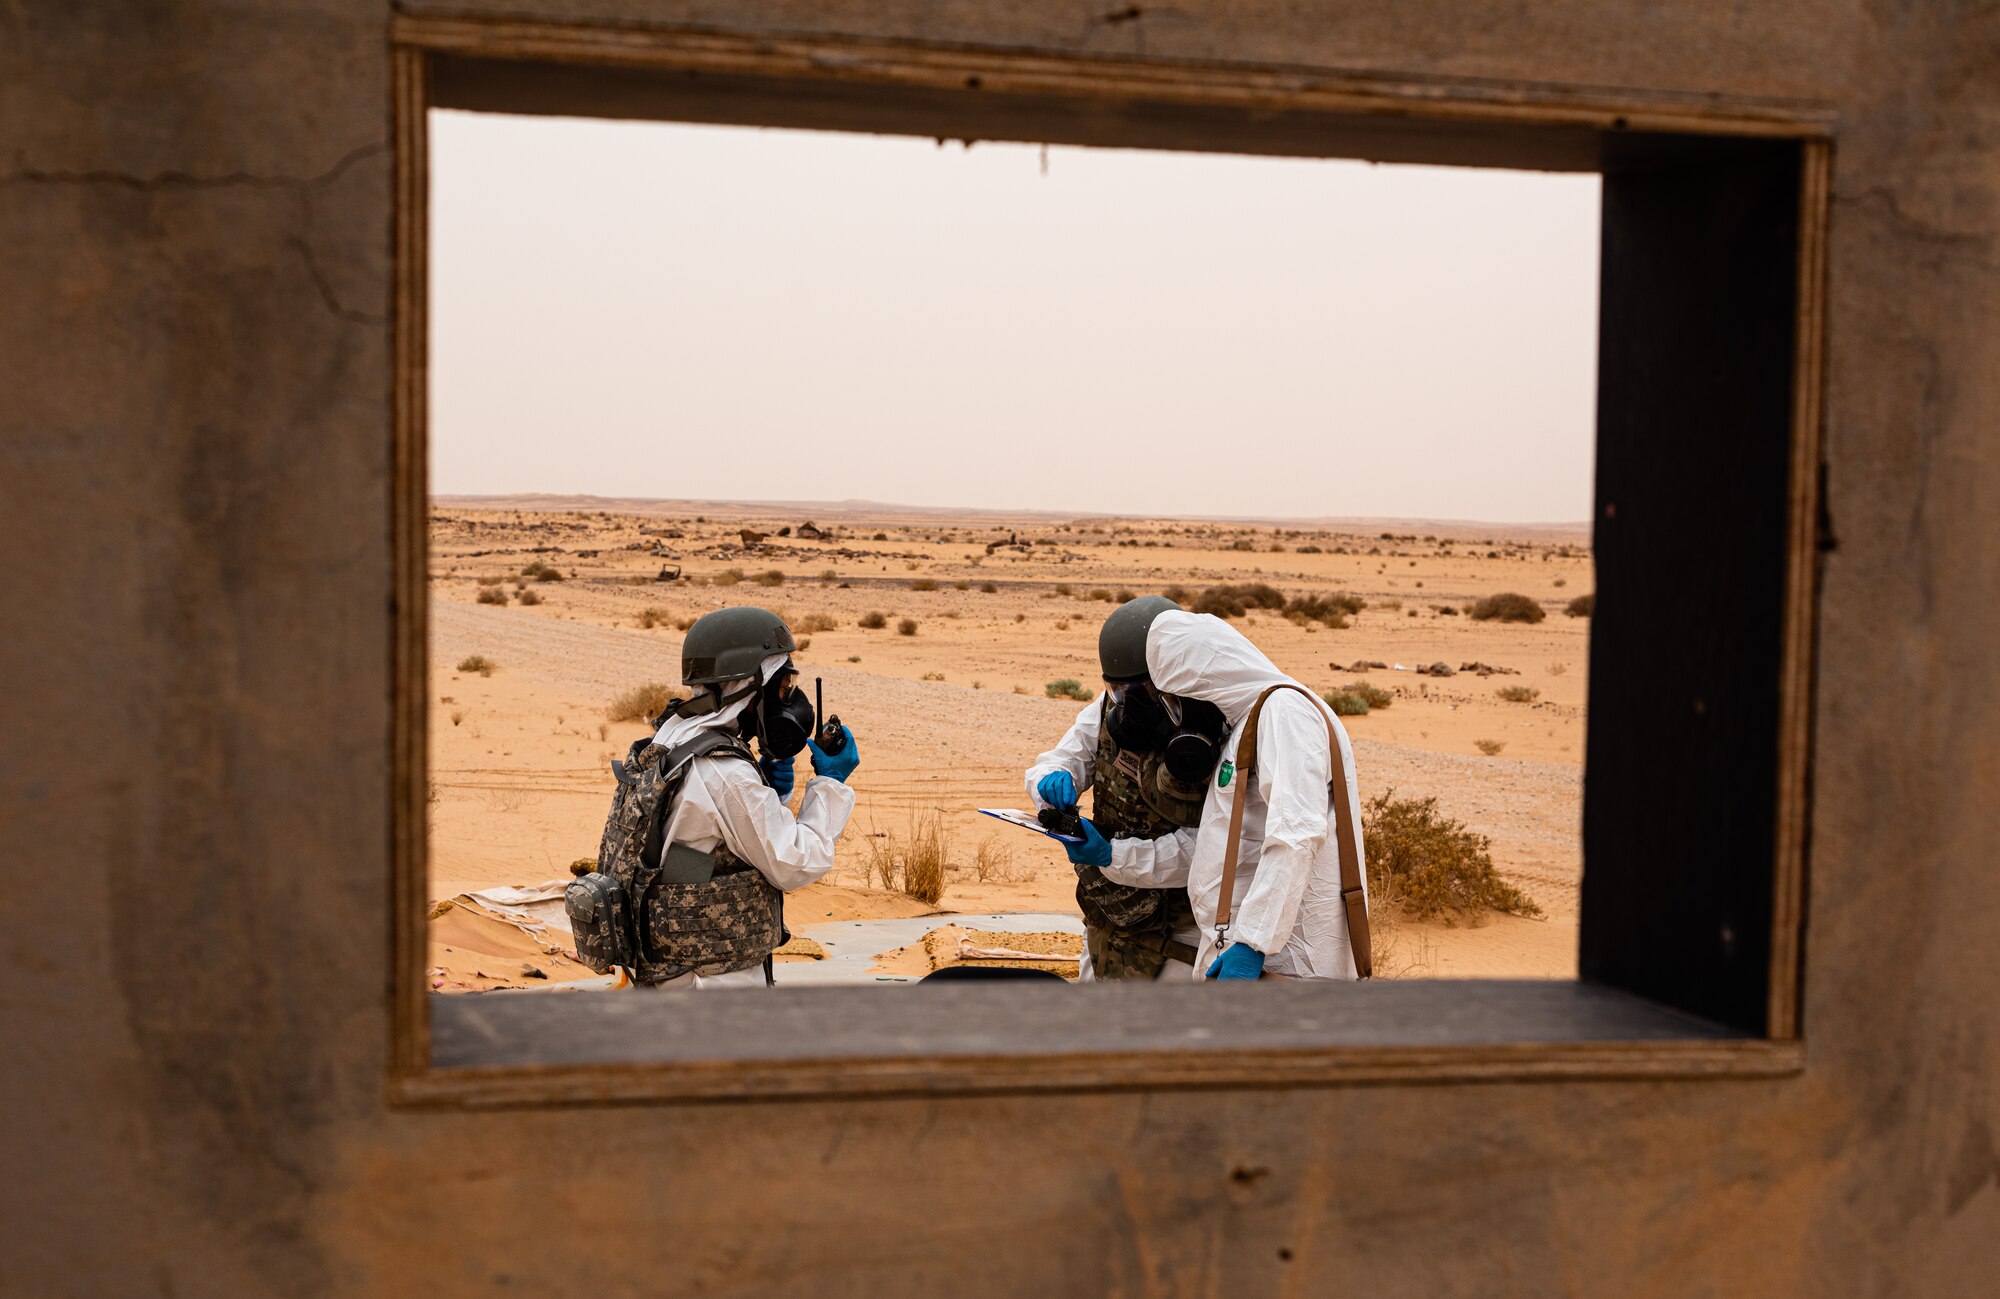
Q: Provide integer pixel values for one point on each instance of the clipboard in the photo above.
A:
(1027, 821)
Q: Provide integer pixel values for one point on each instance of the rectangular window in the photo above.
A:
(1702, 525)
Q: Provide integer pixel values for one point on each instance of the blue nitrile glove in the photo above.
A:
(1095, 850)
(836, 766)
(1240, 961)
(780, 773)
(1058, 790)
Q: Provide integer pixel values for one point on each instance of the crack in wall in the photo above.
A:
(188, 180)
(326, 293)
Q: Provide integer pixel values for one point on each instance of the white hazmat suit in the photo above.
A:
(1287, 897)
(1076, 753)
(725, 801)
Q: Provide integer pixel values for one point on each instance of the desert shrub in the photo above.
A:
(1445, 610)
(492, 579)
(907, 627)
(1519, 694)
(1067, 688)
(961, 585)
(1243, 543)
(643, 703)
(1180, 595)
(684, 623)
(880, 536)
(1063, 589)
(874, 620)
(1346, 705)
(1374, 696)
(813, 622)
(933, 676)
(1329, 609)
(1560, 582)
(993, 862)
(923, 584)
(1233, 600)
(477, 663)
(728, 577)
(1100, 593)
(1491, 748)
(1428, 866)
(917, 857)
(530, 597)
(990, 588)
(770, 577)
(1508, 606)
(654, 616)
(1309, 550)
(492, 595)
(1582, 606)
(1125, 595)
(828, 575)
(1062, 624)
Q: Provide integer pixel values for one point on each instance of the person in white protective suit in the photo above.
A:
(739, 660)
(1142, 786)
(1287, 913)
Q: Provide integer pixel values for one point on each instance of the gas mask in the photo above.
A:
(784, 716)
(1187, 733)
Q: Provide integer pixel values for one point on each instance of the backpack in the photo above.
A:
(624, 914)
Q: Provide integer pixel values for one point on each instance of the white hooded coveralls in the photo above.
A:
(724, 800)
(1076, 753)
(1287, 896)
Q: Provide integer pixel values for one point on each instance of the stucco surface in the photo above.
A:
(194, 798)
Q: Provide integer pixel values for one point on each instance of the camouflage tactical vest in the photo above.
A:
(1129, 929)
(625, 914)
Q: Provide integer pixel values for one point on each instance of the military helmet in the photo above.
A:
(732, 644)
(1121, 646)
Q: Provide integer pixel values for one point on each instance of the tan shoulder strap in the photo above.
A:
(1352, 899)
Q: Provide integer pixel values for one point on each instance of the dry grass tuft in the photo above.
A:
(1491, 748)
(1067, 688)
(1429, 867)
(1519, 694)
(1372, 695)
(914, 861)
(907, 627)
(923, 584)
(813, 622)
(1582, 606)
(770, 577)
(477, 663)
(1508, 606)
(643, 703)
(874, 620)
(530, 597)
(989, 587)
(728, 577)
(542, 572)
(492, 595)
(1344, 704)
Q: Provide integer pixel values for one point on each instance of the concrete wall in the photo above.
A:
(194, 357)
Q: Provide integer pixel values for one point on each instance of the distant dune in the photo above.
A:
(882, 511)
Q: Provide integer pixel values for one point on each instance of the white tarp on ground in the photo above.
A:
(534, 907)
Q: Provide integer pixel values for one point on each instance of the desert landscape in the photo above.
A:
(954, 644)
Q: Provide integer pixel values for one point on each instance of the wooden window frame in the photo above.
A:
(557, 1050)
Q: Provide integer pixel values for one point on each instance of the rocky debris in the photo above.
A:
(673, 533)
(809, 531)
(1360, 665)
(1436, 670)
(751, 538)
(1488, 669)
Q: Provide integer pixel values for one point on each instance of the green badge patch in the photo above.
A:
(1224, 774)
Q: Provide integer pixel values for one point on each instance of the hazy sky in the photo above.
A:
(640, 309)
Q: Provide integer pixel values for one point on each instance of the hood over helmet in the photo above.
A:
(1199, 656)
(678, 730)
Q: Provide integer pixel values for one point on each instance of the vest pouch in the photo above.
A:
(731, 922)
(681, 864)
(600, 921)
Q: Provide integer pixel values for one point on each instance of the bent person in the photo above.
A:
(1123, 749)
(1287, 838)
(700, 846)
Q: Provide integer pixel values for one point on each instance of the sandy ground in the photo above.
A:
(948, 718)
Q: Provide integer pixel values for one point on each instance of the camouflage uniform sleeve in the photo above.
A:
(1073, 753)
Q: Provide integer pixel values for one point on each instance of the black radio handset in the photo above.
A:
(832, 735)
